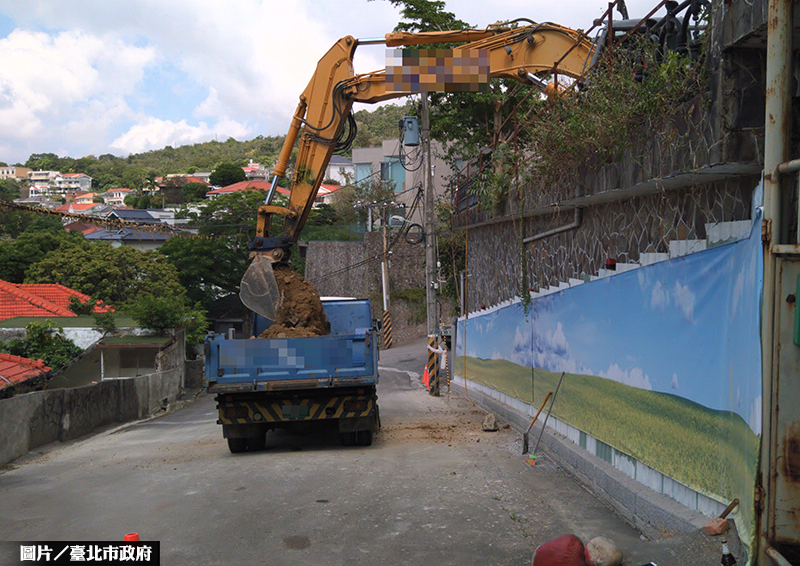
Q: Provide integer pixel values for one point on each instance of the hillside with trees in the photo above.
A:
(137, 170)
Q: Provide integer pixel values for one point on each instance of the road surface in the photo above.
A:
(434, 488)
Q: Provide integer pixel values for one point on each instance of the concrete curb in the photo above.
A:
(654, 514)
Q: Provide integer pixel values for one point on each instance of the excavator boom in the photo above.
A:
(526, 53)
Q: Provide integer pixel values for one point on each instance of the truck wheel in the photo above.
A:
(364, 437)
(256, 443)
(237, 445)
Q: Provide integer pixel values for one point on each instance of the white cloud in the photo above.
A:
(659, 298)
(674, 384)
(65, 87)
(634, 377)
(684, 300)
(243, 61)
(154, 133)
(754, 415)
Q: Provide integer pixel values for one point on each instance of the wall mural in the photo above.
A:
(663, 363)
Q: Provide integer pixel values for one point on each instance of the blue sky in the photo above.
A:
(687, 326)
(114, 76)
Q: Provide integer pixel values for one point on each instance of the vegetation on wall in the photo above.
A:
(43, 341)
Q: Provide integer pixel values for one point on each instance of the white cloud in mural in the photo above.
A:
(674, 383)
(684, 300)
(738, 289)
(634, 377)
(497, 356)
(745, 282)
(659, 298)
(754, 416)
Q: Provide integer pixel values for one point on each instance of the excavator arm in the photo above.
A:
(524, 53)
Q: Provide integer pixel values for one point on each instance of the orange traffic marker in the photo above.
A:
(131, 537)
(426, 378)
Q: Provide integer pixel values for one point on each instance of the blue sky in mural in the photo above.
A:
(688, 326)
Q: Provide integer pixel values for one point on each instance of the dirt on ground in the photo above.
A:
(300, 314)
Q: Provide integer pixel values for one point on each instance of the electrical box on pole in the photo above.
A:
(410, 127)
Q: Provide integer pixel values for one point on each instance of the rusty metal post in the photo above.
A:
(776, 151)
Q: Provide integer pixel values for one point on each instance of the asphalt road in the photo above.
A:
(433, 488)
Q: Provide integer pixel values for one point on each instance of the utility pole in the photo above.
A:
(430, 252)
(430, 220)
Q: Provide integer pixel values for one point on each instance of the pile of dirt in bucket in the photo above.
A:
(300, 314)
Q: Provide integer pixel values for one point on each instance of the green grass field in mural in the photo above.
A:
(714, 452)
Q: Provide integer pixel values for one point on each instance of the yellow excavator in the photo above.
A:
(529, 52)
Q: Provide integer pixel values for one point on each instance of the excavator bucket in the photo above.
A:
(259, 290)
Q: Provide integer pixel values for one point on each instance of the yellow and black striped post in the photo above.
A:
(446, 365)
(433, 366)
(386, 327)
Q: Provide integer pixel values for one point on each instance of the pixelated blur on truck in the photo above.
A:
(297, 383)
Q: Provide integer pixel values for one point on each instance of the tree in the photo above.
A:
(162, 313)
(381, 123)
(79, 307)
(426, 15)
(207, 267)
(43, 341)
(195, 192)
(227, 174)
(111, 275)
(157, 312)
(30, 247)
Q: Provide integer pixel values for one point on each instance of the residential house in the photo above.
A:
(131, 236)
(325, 194)
(244, 186)
(121, 356)
(42, 178)
(85, 198)
(255, 171)
(132, 215)
(66, 181)
(14, 172)
(400, 168)
(340, 169)
(91, 208)
(21, 375)
(39, 191)
(116, 197)
(82, 227)
(202, 176)
(41, 201)
(40, 300)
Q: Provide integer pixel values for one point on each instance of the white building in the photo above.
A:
(116, 197)
(72, 181)
(340, 169)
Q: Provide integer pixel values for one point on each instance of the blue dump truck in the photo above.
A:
(290, 383)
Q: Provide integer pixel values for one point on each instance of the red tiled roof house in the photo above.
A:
(44, 299)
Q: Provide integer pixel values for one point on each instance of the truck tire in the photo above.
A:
(364, 437)
(256, 443)
(237, 445)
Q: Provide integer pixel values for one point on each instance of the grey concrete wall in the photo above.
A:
(195, 374)
(406, 271)
(33, 419)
